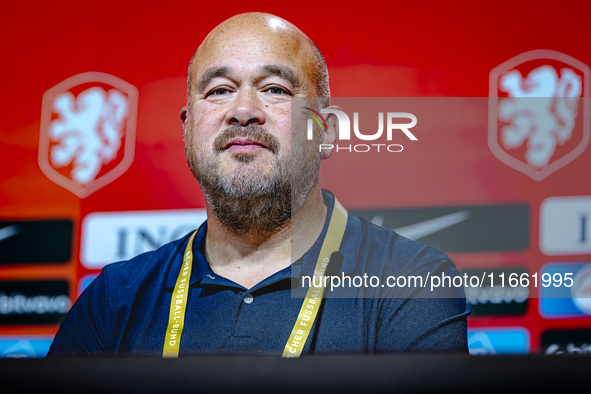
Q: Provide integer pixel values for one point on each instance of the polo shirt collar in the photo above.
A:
(304, 266)
(200, 265)
(349, 245)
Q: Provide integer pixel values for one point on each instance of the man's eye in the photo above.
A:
(276, 90)
(219, 92)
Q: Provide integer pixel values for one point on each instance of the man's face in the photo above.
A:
(238, 132)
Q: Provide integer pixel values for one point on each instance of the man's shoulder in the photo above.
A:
(380, 244)
(387, 254)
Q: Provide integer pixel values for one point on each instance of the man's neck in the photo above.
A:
(249, 258)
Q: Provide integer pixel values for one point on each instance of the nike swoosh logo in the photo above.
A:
(8, 232)
(422, 229)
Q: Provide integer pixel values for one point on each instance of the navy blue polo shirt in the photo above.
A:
(125, 310)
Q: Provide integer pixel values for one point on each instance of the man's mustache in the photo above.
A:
(254, 132)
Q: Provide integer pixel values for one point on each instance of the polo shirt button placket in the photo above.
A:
(248, 299)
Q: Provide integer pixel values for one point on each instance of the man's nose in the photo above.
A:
(247, 109)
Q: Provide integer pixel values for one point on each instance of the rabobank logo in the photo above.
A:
(501, 340)
(24, 346)
(566, 301)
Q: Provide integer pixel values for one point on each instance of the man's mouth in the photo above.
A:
(243, 145)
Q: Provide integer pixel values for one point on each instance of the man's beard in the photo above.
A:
(246, 200)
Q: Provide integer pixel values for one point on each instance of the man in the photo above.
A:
(227, 288)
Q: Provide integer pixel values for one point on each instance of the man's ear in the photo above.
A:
(184, 113)
(330, 135)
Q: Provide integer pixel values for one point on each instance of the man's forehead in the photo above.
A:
(254, 26)
(251, 49)
(254, 39)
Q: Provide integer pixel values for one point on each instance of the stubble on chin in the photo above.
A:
(244, 199)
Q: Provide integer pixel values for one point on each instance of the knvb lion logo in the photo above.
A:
(539, 112)
(87, 134)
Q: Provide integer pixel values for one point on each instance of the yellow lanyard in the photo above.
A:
(308, 312)
(178, 304)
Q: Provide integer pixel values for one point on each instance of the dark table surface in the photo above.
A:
(344, 374)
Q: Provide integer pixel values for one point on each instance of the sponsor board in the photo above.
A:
(562, 301)
(24, 346)
(85, 281)
(501, 340)
(108, 237)
(565, 225)
(458, 229)
(566, 342)
(35, 241)
(497, 299)
(34, 302)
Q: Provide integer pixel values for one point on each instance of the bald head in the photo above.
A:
(268, 34)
